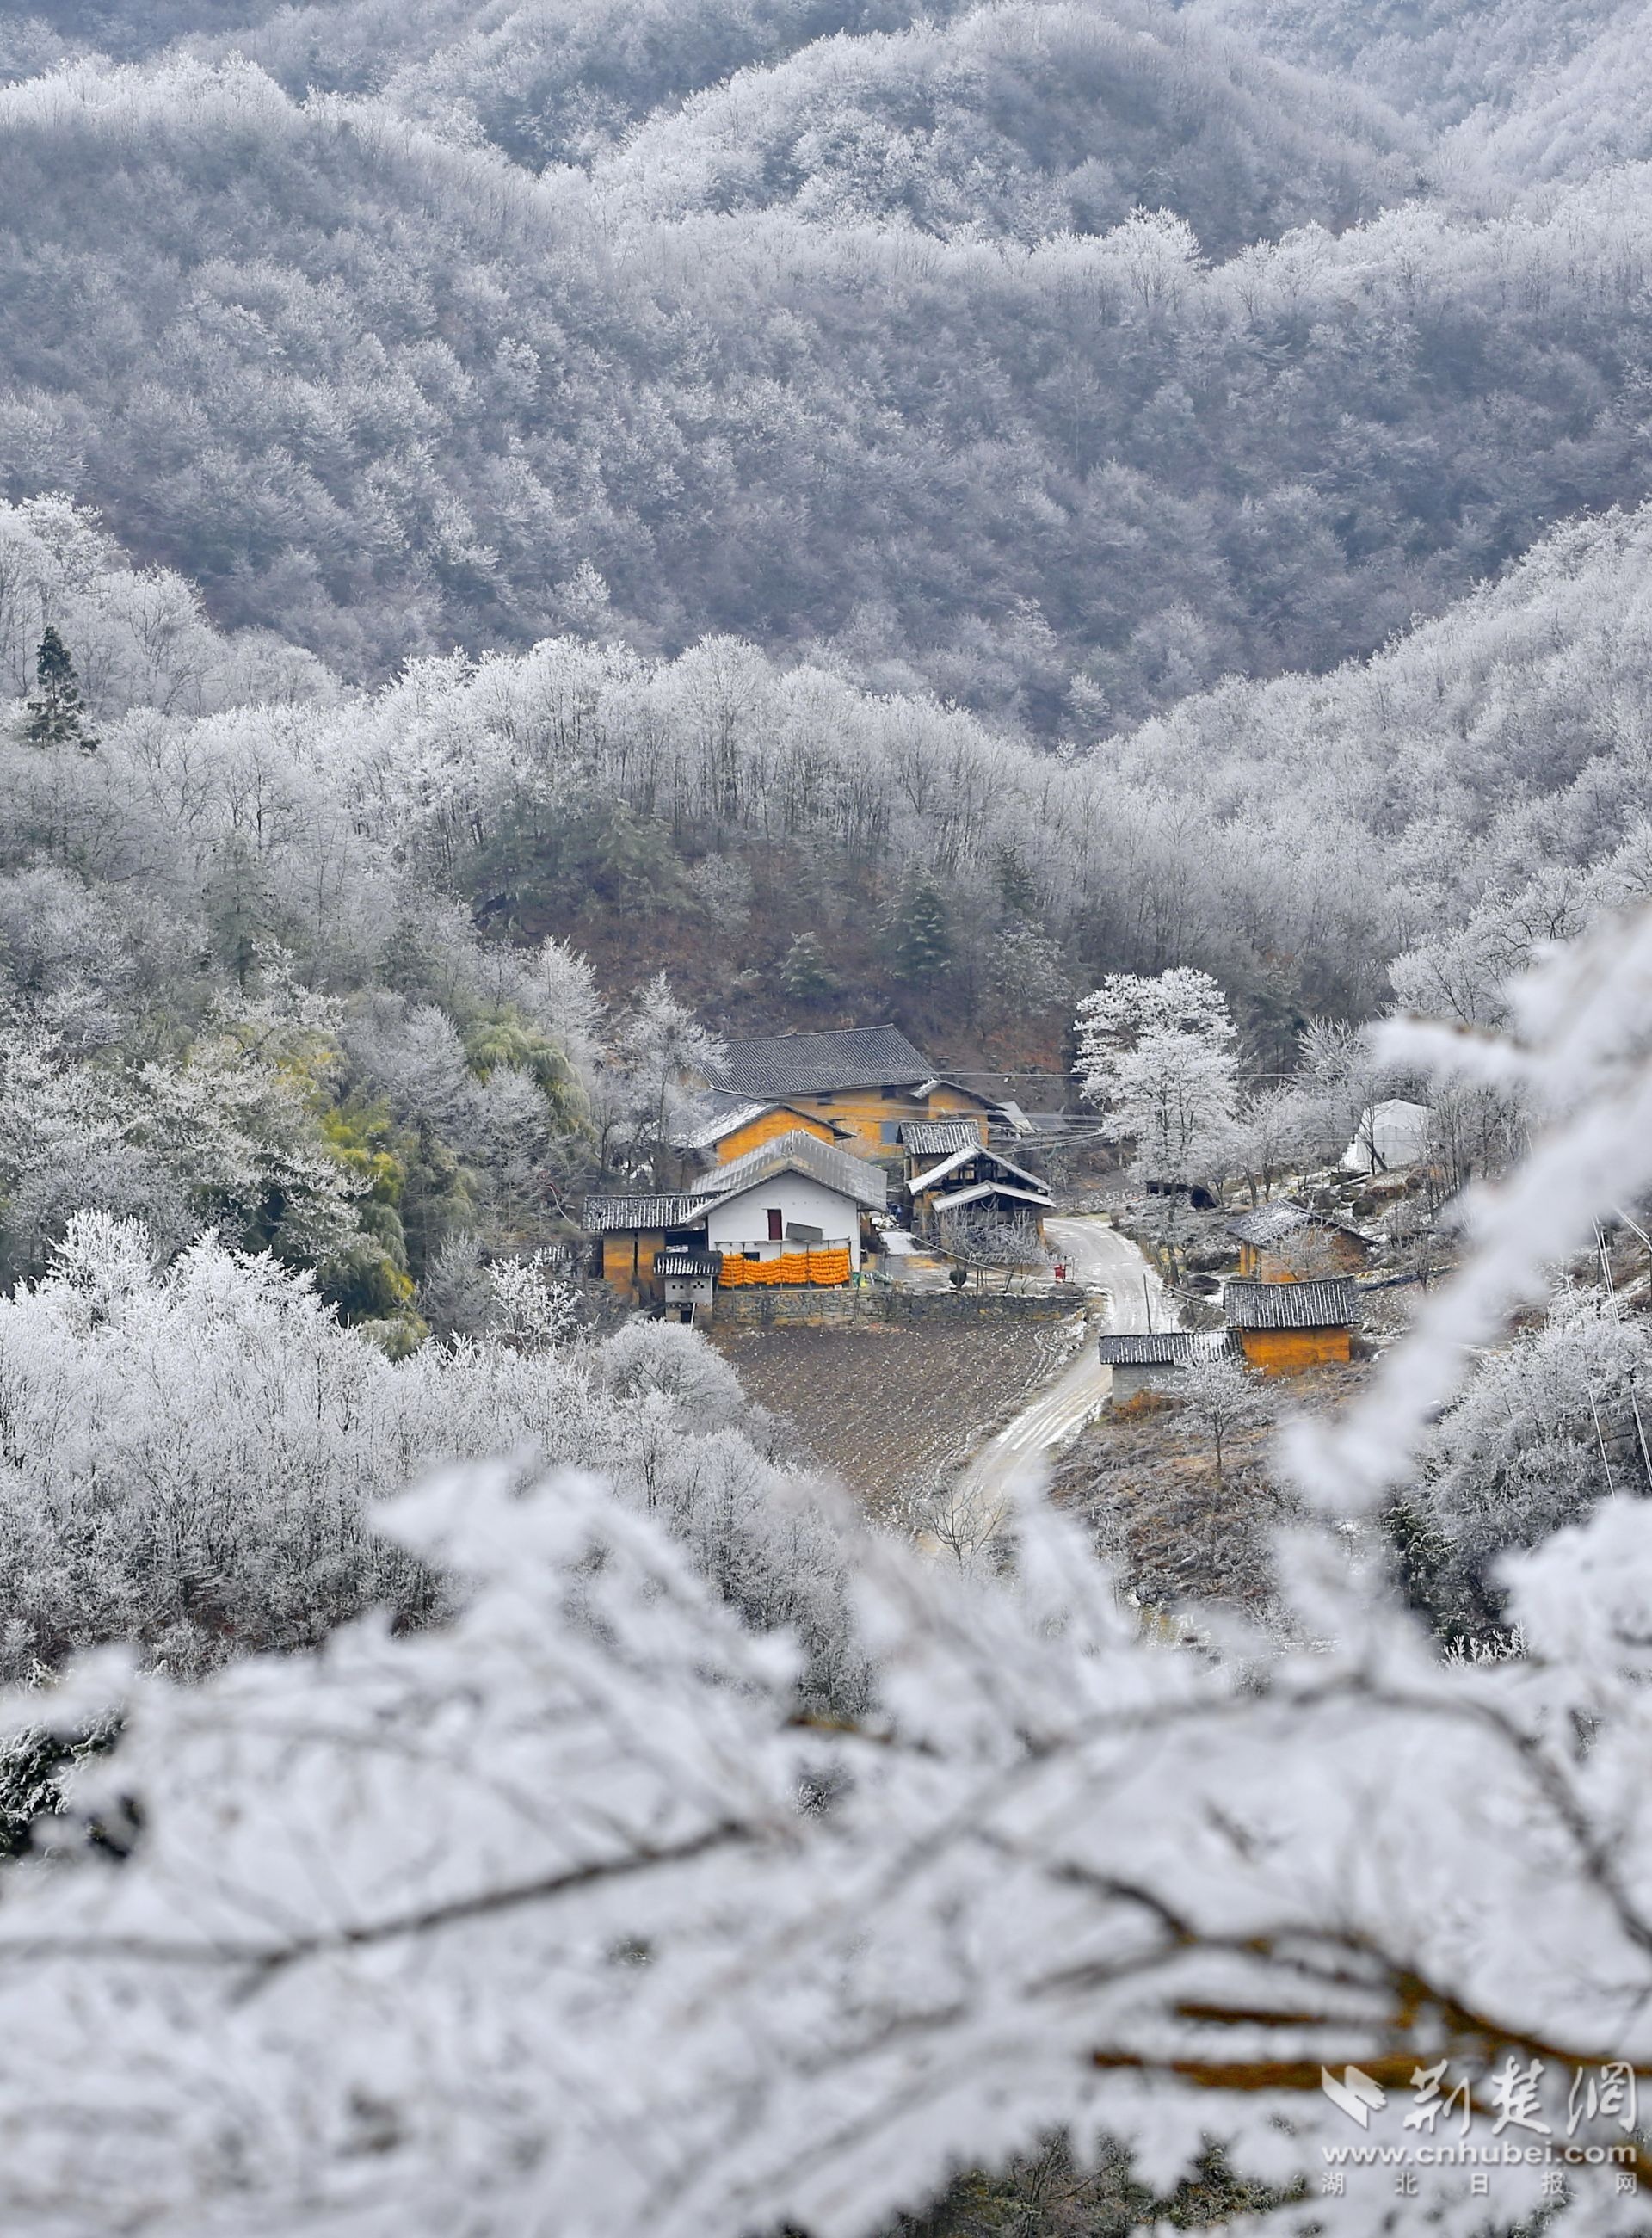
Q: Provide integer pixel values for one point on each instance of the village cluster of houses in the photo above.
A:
(1294, 1304)
(806, 1150)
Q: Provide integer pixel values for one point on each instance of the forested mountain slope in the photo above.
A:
(385, 395)
(1027, 119)
(1438, 58)
(548, 81)
(789, 845)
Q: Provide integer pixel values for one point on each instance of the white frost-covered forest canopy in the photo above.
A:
(538, 533)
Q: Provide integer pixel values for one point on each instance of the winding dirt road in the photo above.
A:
(1104, 1263)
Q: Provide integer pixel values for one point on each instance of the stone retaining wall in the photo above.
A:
(778, 1308)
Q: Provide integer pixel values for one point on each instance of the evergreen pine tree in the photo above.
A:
(804, 972)
(917, 931)
(54, 713)
(1017, 889)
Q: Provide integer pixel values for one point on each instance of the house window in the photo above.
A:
(777, 1223)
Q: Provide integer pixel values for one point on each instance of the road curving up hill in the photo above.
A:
(1103, 1261)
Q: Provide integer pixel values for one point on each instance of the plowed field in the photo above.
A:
(893, 1410)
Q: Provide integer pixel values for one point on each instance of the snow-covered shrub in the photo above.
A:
(190, 1455)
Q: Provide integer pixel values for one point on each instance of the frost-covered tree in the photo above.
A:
(984, 1244)
(190, 1452)
(662, 1051)
(805, 970)
(1544, 1428)
(1223, 1398)
(1159, 1058)
(917, 936)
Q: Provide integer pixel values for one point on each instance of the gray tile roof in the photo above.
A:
(734, 1112)
(976, 1190)
(938, 1138)
(719, 1112)
(1272, 1223)
(974, 1153)
(814, 1063)
(688, 1262)
(604, 1215)
(1169, 1348)
(797, 1152)
(1291, 1305)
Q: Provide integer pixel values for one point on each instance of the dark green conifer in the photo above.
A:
(918, 932)
(804, 972)
(55, 717)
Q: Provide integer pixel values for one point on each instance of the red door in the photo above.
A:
(775, 1223)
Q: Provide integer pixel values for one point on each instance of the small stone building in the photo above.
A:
(1153, 1363)
(1282, 1327)
(688, 1280)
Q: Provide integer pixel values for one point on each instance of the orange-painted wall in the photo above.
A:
(765, 1129)
(1329, 1252)
(953, 1102)
(866, 1112)
(1287, 1352)
(616, 1260)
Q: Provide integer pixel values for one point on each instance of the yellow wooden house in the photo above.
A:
(1282, 1327)
(1288, 1242)
(728, 1126)
(865, 1082)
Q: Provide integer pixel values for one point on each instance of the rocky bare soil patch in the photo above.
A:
(1144, 1476)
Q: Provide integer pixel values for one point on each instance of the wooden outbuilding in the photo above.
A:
(950, 1171)
(1283, 1327)
(1290, 1242)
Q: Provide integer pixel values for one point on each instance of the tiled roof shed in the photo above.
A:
(1169, 1348)
(1291, 1305)
(939, 1138)
(679, 1265)
(612, 1216)
(780, 1065)
(1272, 1223)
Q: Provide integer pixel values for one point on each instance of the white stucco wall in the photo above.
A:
(741, 1219)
